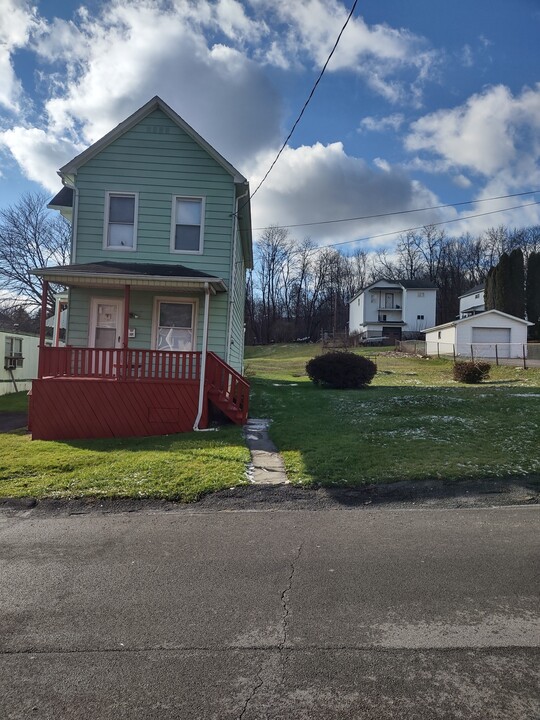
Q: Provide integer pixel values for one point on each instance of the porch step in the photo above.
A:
(231, 410)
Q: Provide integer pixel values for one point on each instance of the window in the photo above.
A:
(439, 334)
(420, 294)
(419, 317)
(187, 225)
(477, 296)
(175, 326)
(13, 358)
(121, 221)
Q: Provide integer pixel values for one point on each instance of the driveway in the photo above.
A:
(334, 613)
(12, 421)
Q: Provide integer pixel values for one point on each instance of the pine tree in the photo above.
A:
(533, 294)
(515, 301)
(489, 290)
(503, 284)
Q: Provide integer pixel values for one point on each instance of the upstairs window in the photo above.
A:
(13, 357)
(121, 221)
(188, 225)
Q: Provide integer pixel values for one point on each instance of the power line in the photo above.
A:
(305, 104)
(421, 227)
(401, 212)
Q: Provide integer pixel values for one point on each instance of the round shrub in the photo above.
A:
(341, 370)
(471, 372)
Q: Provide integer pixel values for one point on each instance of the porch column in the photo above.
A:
(204, 350)
(127, 290)
(42, 326)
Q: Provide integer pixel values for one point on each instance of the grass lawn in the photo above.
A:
(14, 402)
(414, 422)
(177, 467)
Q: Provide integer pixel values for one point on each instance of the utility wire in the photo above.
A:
(402, 212)
(421, 227)
(305, 105)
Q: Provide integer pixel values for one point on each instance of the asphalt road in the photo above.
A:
(337, 613)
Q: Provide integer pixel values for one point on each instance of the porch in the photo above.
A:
(99, 386)
(106, 392)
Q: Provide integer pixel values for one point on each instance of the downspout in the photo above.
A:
(204, 350)
(233, 279)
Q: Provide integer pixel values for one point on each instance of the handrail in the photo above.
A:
(231, 387)
(118, 364)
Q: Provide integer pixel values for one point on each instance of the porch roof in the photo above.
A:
(149, 276)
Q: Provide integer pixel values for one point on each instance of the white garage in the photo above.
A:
(491, 334)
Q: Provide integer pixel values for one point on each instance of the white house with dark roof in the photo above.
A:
(392, 309)
(472, 302)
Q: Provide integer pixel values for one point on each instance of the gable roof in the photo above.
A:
(405, 284)
(473, 290)
(156, 103)
(474, 318)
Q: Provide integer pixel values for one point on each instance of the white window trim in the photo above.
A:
(173, 224)
(119, 248)
(194, 302)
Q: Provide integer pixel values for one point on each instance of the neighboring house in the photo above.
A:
(392, 309)
(472, 302)
(491, 334)
(161, 239)
(20, 360)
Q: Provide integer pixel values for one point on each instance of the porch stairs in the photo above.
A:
(227, 389)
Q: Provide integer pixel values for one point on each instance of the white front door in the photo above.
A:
(106, 323)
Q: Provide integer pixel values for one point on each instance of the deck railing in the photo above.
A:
(230, 385)
(113, 364)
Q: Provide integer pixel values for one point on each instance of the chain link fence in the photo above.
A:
(499, 353)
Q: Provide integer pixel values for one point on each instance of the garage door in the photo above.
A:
(487, 338)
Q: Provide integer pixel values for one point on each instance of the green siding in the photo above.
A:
(142, 304)
(158, 160)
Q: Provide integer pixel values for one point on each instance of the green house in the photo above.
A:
(161, 240)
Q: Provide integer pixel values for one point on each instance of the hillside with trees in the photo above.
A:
(297, 290)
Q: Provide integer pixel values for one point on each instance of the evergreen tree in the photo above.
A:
(533, 294)
(489, 290)
(515, 302)
(503, 285)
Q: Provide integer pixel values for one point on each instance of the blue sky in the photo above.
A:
(424, 103)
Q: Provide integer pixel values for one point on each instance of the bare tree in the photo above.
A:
(31, 237)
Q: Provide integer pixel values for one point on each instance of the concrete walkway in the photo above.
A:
(267, 467)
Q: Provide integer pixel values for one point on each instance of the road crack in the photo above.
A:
(286, 599)
(253, 692)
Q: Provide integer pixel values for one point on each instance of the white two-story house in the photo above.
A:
(472, 302)
(392, 309)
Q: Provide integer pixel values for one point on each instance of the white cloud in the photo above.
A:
(118, 60)
(382, 124)
(17, 18)
(493, 132)
(322, 182)
(379, 53)
(461, 181)
(39, 154)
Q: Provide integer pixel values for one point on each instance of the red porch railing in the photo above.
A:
(227, 387)
(112, 364)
